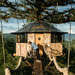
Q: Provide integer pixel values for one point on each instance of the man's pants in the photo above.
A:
(36, 52)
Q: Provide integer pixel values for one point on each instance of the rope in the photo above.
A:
(2, 42)
(19, 63)
(69, 40)
(69, 45)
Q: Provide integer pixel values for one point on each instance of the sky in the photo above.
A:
(12, 24)
(66, 27)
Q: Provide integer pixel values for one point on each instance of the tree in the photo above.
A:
(10, 45)
(0, 42)
(41, 10)
(38, 10)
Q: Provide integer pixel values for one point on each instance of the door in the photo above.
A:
(39, 42)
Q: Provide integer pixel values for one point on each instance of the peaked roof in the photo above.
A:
(36, 27)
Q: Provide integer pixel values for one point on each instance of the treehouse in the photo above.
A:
(42, 34)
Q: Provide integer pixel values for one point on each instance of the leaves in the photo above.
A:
(38, 10)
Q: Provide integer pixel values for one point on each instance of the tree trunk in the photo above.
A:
(37, 68)
(63, 70)
(7, 71)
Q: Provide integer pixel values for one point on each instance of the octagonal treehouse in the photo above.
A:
(41, 34)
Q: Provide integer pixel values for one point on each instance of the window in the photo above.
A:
(22, 38)
(56, 38)
(26, 38)
(39, 38)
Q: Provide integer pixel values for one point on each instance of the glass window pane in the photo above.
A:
(26, 38)
(56, 38)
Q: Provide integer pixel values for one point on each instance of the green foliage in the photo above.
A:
(2, 70)
(1, 58)
(10, 45)
(38, 10)
(9, 50)
(12, 62)
(0, 42)
(64, 59)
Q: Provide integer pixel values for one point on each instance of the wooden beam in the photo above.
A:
(28, 63)
(48, 65)
(14, 54)
(38, 27)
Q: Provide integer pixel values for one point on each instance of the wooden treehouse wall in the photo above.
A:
(39, 39)
(22, 49)
(54, 48)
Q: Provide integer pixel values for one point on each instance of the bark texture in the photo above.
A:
(37, 68)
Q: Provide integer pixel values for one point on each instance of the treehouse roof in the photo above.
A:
(36, 27)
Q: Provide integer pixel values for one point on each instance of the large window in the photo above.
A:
(22, 38)
(26, 38)
(56, 38)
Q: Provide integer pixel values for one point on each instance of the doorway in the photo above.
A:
(39, 42)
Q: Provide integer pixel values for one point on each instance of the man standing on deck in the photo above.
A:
(35, 49)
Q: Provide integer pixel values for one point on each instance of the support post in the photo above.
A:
(7, 71)
(2, 42)
(37, 68)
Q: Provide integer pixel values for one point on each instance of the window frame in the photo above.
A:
(26, 38)
(56, 38)
(20, 37)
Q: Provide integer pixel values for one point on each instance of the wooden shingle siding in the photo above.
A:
(18, 49)
(40, 34)
(39, 42)
(47, 38)
(0, 42)
(39, 39)
(22, 49)
(56, 49)
(31, 37)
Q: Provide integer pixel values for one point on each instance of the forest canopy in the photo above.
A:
(38, 10)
